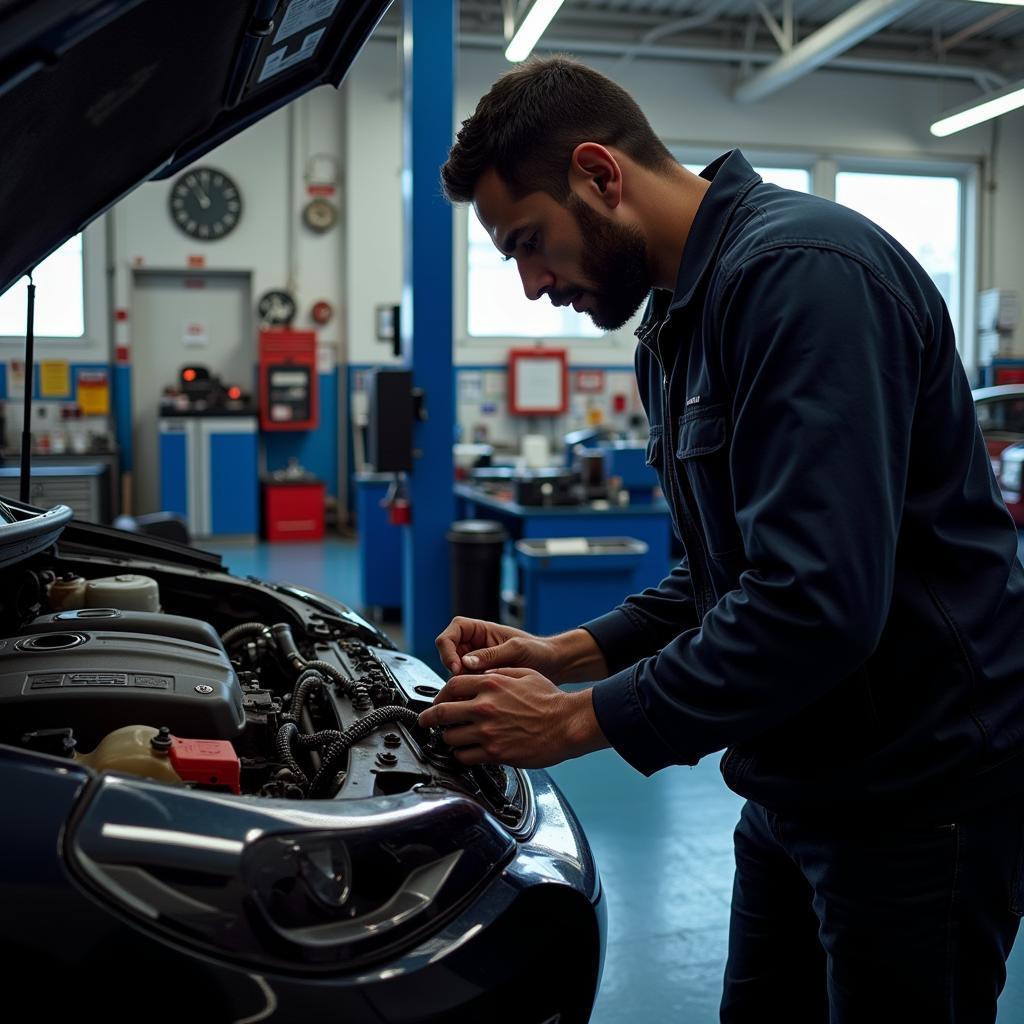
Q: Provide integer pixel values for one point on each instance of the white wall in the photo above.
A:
(257, 160)
(373, 196)
(827, 112)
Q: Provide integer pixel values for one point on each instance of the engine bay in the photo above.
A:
(194, 677)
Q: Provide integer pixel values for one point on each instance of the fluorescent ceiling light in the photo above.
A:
(532, 27)
(1003, 3)
(982, 109)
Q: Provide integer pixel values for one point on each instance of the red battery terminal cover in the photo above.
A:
(207, 762)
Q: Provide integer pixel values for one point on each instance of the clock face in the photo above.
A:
(205, 203)
(319, 215)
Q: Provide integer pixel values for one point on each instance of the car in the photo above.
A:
(218, 801)
(1000, 411)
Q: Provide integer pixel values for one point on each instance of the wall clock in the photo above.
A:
(319, 215)
(205, 204)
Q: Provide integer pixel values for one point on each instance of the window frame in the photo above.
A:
(823, 168)
(95, 315)
(613, 342)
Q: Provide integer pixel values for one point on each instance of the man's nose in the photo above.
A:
(536, 280)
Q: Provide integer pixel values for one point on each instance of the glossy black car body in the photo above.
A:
(411, 891)
(321, 857)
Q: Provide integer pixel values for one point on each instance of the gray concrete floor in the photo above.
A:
(664, 844)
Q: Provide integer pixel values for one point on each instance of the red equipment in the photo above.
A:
(288, 380)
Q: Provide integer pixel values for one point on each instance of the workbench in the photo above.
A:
(647, 522)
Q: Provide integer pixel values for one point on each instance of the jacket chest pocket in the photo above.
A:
(703, 454)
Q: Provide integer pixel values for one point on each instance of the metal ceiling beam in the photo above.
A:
(862, 20)
(985, 77)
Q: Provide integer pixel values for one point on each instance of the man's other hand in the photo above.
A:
(514, 716)
(473, 645)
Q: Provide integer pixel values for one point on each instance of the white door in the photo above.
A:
(182, 318)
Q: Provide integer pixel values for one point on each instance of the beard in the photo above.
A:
(614, 260)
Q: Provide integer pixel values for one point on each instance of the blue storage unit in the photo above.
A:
(627, 460)
(567, 581)
(209, 473)
(380, 543)
(645, 521)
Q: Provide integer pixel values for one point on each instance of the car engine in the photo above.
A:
(146, 669)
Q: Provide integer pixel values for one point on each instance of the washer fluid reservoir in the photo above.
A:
(134, 750)
(127, 592)
(66, 593)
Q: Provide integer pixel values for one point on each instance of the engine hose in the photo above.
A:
(245, 629)
(286, 735)
(330, 671)
(309, 679)
(282, 634)
(362, 728)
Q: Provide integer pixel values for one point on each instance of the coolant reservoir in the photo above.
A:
(132, 750)
(127, 592)
(67, 593)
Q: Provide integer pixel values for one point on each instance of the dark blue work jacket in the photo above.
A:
(849, 617)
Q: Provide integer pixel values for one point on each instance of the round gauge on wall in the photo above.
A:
(205, 204)
(319, 215)
(276, 308)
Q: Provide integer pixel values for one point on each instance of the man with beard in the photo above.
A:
(847, 620)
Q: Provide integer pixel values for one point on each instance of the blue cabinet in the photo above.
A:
(380, 543)
(209, 473)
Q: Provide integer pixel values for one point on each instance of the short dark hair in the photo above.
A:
(531, 120)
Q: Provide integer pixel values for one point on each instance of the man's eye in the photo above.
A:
(529, 246)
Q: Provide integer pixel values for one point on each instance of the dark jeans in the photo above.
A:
(869, 925)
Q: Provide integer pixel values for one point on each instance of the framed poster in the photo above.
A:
(538, 381)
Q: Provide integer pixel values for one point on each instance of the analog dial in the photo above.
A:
(205, 204)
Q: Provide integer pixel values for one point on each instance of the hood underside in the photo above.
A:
(101, 95)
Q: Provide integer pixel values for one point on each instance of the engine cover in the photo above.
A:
(98, 681)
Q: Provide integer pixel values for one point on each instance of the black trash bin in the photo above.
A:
(476, 547)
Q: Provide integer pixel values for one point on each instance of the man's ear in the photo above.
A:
(595, 175)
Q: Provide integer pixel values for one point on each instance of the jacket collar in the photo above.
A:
(731, 178)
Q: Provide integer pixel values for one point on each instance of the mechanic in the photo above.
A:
(848, 620)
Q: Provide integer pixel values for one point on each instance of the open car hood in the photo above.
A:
(101, 95)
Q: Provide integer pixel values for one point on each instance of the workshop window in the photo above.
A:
(60, 303)
(796, 178)
(923, 212)
(497, 306)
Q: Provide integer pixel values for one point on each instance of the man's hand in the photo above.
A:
(473, 645)
(514, 716)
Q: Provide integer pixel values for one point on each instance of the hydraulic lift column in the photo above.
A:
(427, 320)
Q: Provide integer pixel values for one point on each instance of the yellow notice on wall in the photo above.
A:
(94, 392)
(54, 378)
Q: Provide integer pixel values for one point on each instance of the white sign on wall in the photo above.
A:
(195, 333)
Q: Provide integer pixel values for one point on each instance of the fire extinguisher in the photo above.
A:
(396, 501)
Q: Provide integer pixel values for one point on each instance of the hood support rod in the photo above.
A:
(26, 431)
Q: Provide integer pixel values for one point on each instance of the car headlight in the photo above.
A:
(283, 886)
